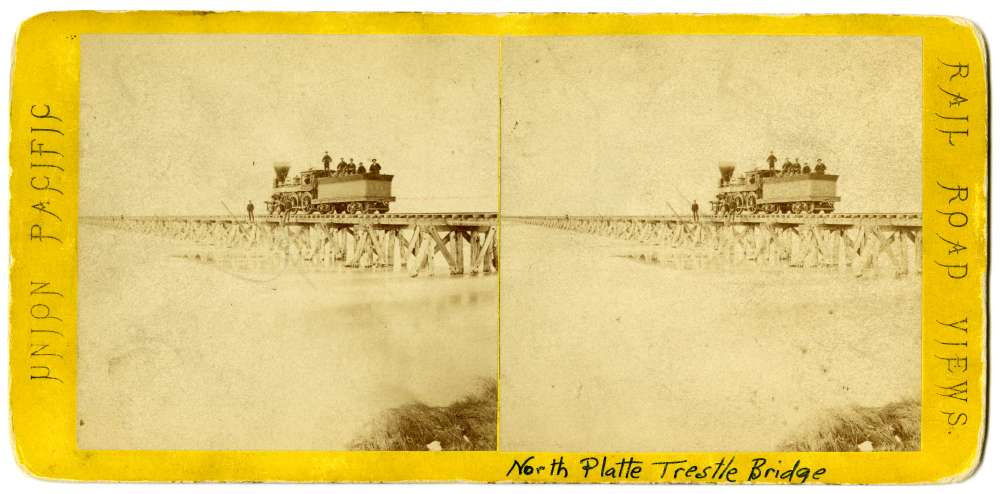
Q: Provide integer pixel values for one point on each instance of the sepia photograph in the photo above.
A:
(711, 243)
(288, 242)
(292, 242)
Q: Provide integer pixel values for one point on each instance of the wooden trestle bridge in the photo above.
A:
(861, 244)
(466, 241)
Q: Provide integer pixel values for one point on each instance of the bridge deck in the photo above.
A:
(401, 219)
(846, 219)
(490, 218)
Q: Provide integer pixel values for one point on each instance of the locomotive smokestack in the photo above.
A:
(727, 170)
(281, 172)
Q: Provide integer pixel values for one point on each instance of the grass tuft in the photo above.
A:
(465, 425)
(893, 427)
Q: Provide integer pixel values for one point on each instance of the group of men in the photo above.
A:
(795, 168)
(349, 167)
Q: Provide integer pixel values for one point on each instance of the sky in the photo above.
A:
(639, 124)
(192, 124)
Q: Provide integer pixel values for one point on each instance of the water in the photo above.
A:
(599, 352)
(602, 352)
(178, 353)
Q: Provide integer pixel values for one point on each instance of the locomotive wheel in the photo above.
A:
(751, 203)
(354, 207)
(306, 202)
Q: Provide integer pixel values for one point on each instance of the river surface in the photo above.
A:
(599, 352)
(177, 353)
(605, 353)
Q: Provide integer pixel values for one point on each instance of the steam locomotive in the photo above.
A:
(792, 189)
(329, 191)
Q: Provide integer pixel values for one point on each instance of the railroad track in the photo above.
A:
(873, 219)
(455, 218)
(479, 218)
(303, 217)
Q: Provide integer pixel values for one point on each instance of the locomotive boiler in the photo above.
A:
(328, 191)
(791, 189)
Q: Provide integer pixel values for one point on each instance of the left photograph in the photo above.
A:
(288, 242)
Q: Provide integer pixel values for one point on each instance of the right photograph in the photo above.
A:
(710, 243)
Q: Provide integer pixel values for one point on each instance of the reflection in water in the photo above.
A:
(185, 348)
